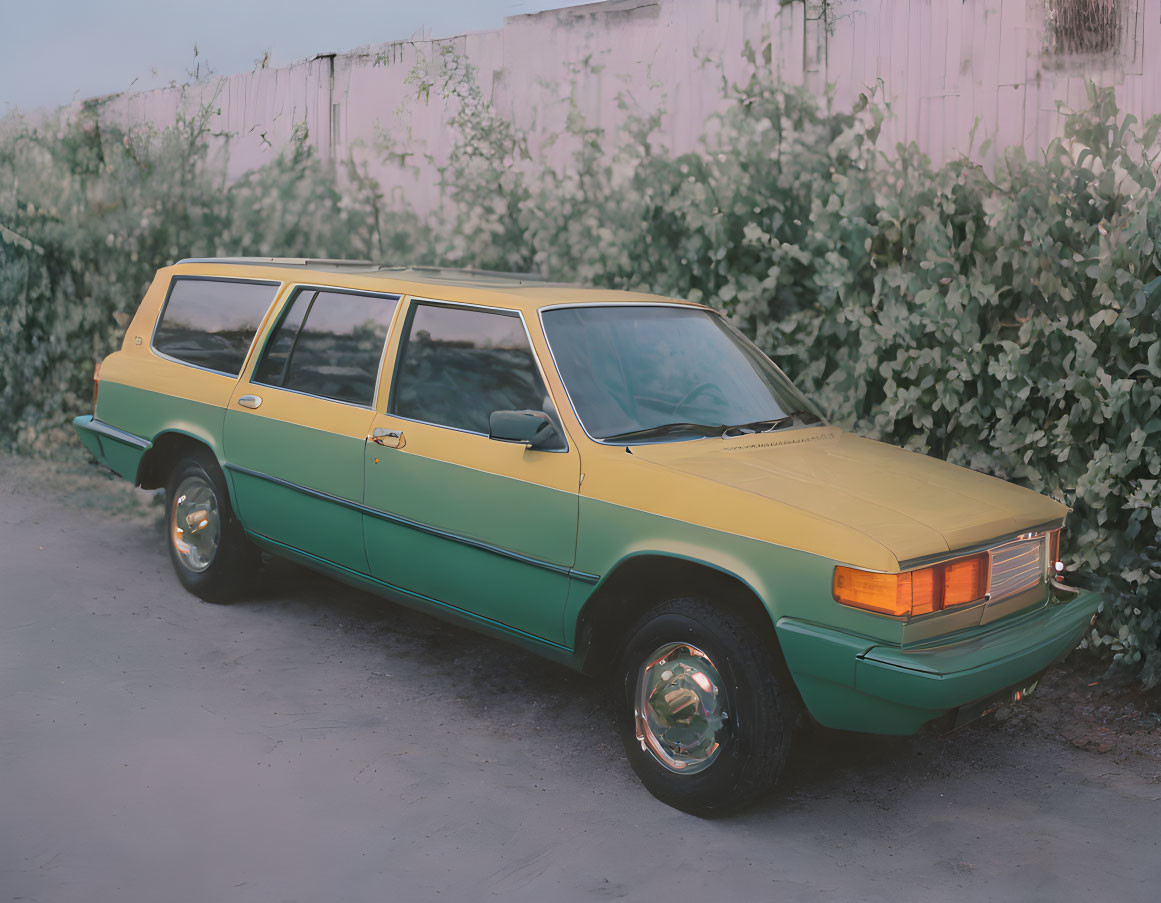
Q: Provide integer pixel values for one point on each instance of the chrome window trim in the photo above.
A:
(177, 360)
(295, 288)
(442, 426)
(198, 278)
(414, 301)
(349, 404)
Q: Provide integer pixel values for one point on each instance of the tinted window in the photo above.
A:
(329, 344)
(211, 322)
(459, 365)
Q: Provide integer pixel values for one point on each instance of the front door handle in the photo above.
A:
(388, 438)
(250, 401)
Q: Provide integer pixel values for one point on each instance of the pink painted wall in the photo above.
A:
(945, 65)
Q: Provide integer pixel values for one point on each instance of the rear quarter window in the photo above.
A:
(211, 323)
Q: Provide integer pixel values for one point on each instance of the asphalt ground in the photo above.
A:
(315, 743)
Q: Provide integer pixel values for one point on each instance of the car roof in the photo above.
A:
(526, 291)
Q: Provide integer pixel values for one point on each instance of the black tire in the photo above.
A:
(760, 708)
(218, 571)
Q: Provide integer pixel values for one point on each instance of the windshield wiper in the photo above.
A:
(768, 426)
(667, 429)
(707, 429)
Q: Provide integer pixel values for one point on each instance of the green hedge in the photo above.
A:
(1007, 321)
(88, 212)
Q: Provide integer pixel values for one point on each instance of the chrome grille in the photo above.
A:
(1016, 566)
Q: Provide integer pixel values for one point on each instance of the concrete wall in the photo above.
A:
(947, 66)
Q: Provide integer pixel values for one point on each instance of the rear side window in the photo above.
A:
(459, 365)
(329, 344)
(210, 323)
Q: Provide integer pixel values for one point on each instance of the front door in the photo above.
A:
(297, 424)
(485, 526)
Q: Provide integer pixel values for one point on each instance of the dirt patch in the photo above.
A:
(78, 481)
(1080, 703)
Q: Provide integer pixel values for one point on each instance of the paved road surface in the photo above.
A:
(316, 744)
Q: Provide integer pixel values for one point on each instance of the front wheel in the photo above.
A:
(210, 552)
(705, 709)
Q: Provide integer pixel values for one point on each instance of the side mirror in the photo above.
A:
(534, 429)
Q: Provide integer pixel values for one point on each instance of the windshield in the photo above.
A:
(650, 373)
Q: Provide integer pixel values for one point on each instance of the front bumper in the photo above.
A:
(855, 683)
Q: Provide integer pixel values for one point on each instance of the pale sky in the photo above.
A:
(54, 51)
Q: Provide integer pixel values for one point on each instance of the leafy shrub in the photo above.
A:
(1006, 321)
(91, 211)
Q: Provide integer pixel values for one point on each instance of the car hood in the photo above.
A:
(914, 505)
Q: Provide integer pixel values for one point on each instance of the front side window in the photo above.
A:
(458, 365)
(329, 344)
(210, 323)
(649, 373)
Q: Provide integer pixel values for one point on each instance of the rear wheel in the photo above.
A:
(705, 708)
(210, 552)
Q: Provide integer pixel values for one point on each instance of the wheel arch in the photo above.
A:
(644, 579)
(167, 449)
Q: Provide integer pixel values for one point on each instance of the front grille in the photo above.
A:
(1016, 566)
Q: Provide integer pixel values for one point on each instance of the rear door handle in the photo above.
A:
(388, 438)
(250, 401)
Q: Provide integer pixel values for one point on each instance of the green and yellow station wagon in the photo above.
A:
(618, 481)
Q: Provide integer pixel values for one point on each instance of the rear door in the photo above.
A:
(298, 421)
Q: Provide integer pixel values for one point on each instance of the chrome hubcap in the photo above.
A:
(679, 708)
(195, 525)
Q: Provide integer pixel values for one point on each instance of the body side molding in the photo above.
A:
(416, 525)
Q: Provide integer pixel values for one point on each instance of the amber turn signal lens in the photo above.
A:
(915, 592)
(888, 594)
(964, 580)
